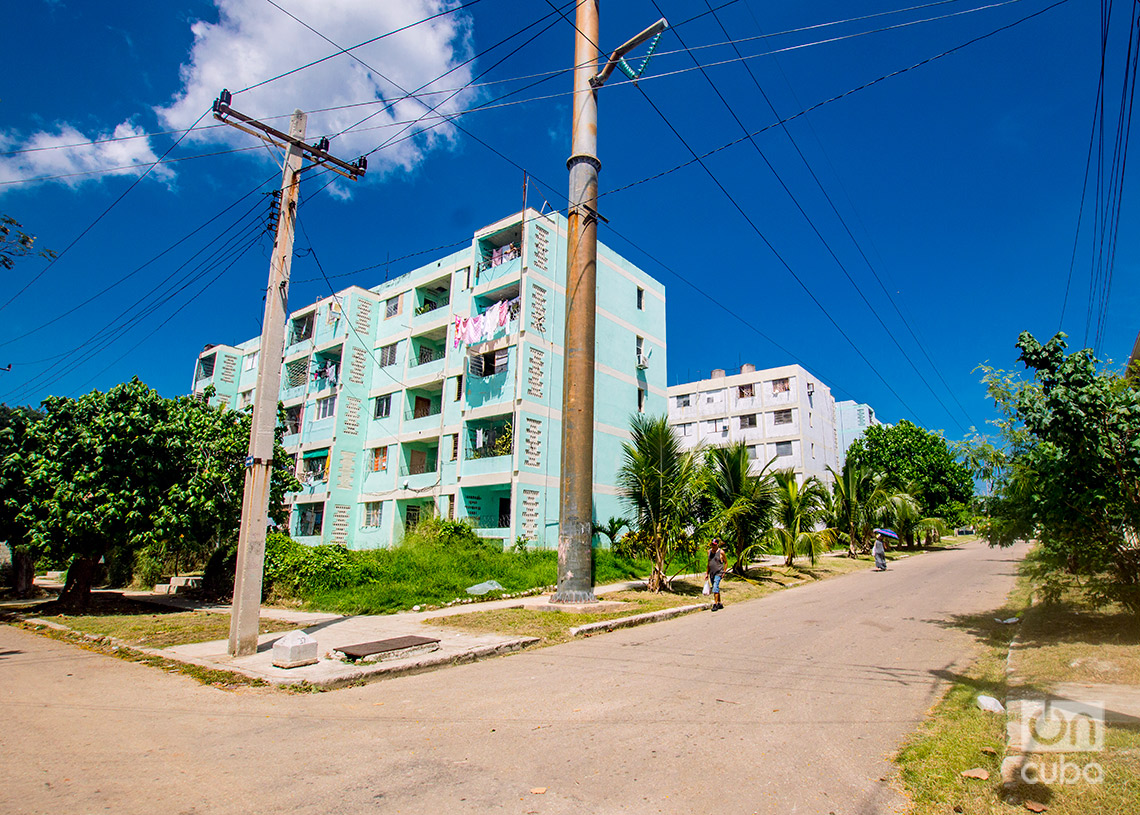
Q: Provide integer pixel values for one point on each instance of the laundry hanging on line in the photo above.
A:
(482, 326)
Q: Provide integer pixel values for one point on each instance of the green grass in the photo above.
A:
(553, 627)
(162, 630)
(389, 580)
(959, 736)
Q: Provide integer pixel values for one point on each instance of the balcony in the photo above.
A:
(488, 510)
(419, 465)
(426, 362)
(489, 448)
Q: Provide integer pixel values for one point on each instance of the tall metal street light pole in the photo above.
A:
(576, 484)
(246, 609)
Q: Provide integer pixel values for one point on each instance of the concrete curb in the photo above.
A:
(368, 673)
(636, 619)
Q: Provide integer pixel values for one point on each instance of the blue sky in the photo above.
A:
(960, 179)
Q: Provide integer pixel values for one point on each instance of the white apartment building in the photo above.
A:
(785, 415)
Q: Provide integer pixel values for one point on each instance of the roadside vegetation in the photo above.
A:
(1060, 639)
(435, 564)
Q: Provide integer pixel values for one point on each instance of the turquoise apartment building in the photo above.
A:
(440, 391)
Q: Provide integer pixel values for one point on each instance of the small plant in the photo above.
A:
(521, 544)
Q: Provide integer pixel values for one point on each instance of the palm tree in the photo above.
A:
(661, 482)
(802, 508)
(905, 518)
(742, 503)
(860, 502)
(612, 529)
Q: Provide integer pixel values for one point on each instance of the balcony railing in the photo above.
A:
(423, 412)
(431, 465)
(426, 356)
(430, 306)
(499, 256)
(503, 521)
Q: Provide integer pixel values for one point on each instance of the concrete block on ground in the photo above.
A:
(186, 582)
(295, 650)
(165, 588)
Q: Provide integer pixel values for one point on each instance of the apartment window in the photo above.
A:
(716, 426)
(326, 408)
(813, 450)
(383, 407)
(782, 417)
(748, 421)
(640, 347)
(458, 387)
(781, 386)
(245, 397)
(206, 367)
(752, 452)
(388, 355)
(391, 307)
(811, 419)
(640, 299)
(455, 447)
(373, 514)
(378, 459)
(783, 448)
(489, 364)
(250, 361)
(293, 420)
(745, 391)
(310, 519)
(334, 313)
(684, 401)
(314, 465)
(641, 400)
(302, 328)
(687, 429)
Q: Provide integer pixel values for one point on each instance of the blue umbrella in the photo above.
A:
(888, 533)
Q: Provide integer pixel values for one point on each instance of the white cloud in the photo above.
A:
(77, 157)
(253, 41)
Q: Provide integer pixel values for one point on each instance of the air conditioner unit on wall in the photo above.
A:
(642, 362)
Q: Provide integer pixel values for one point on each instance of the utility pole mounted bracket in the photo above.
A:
(317, 154)
(619, 54)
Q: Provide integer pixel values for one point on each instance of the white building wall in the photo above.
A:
(784, 413)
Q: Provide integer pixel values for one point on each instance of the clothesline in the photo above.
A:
(483, 325)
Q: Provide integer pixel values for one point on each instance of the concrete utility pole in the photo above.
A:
(244, 616)
(576, 484)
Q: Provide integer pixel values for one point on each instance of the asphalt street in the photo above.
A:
(789, 704)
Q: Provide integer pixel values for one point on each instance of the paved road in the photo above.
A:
(790, 704)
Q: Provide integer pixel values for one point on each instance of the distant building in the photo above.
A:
(784, 413)
(441, 391)
(851, 421)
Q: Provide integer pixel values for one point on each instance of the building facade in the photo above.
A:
(851, 421)
(440, 391)
(785, 415)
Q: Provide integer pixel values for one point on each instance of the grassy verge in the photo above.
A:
(554, 627)
(1058, 643)
(160, 630)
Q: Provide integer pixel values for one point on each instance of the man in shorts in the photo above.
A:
(715, 572)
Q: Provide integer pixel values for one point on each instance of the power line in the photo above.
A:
(850, 235)
(103, 214)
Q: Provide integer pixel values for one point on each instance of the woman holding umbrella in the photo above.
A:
(880, 549)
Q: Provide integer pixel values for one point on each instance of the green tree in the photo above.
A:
(1072, 469)
(661, 482)
(857, 502)
(127, 469)
(802, 509)
(15, 243)
(612, 529)
(741, 504)
(15, 450)
(907, 454)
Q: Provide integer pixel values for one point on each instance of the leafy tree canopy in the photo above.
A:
(129, 469)
(15, 243)
(1071, 475)
(910, 456)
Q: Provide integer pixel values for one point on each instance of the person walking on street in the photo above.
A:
(880, 552)
(715, 571)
